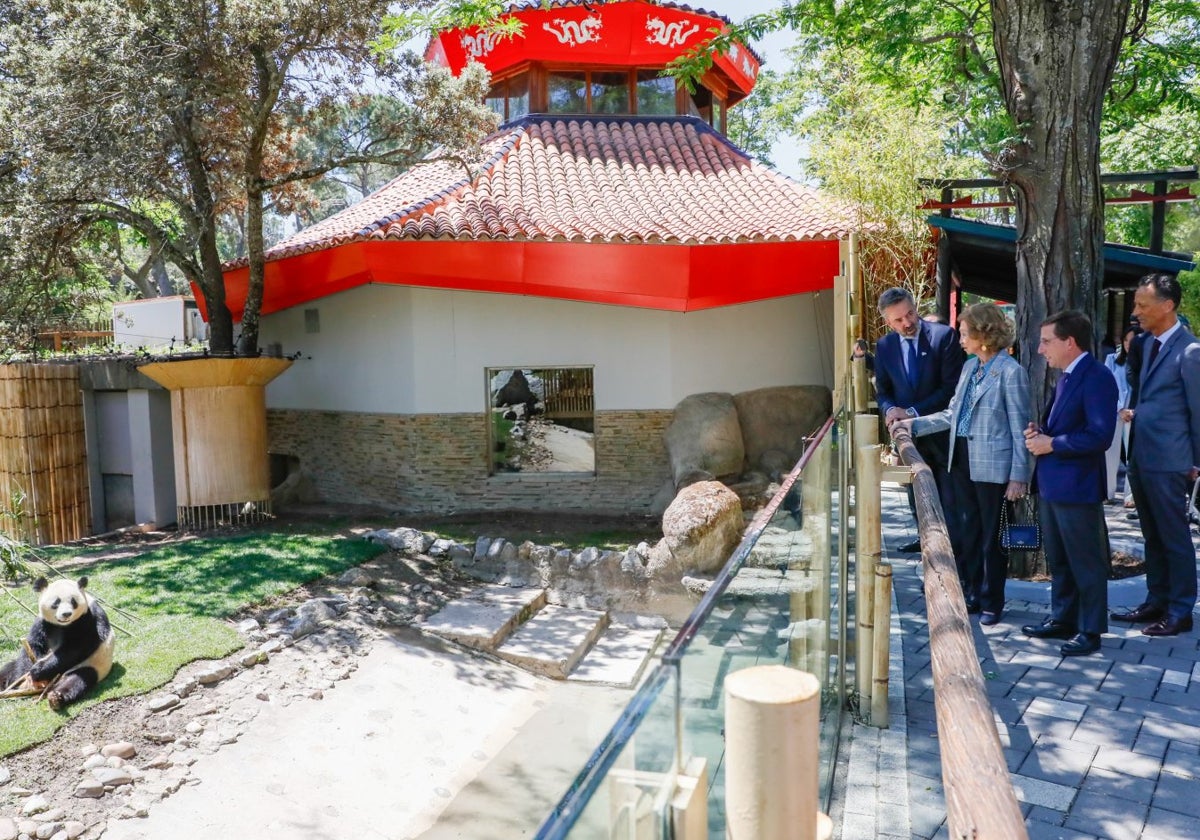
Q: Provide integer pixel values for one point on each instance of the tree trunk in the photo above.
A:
(1056, 62)
(248, 342)
(161, 279)
(212, 278)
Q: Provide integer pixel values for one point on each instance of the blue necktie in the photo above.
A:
(911, 362)
(1059, 387)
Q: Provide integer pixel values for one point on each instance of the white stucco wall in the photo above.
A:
(390, 349)
(156, 323)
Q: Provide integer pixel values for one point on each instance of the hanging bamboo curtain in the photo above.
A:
(43, 454)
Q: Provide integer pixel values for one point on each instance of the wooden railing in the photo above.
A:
(980, 802)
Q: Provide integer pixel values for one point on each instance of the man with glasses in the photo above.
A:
(1071, 477)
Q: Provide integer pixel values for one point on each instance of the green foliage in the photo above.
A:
(405, 24)
(182, 596)
(1189, 282)
(933, 53)
(870, 149)
(111, 111)
(759, 119)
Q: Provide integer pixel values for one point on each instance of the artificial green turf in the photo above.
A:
(181, 596)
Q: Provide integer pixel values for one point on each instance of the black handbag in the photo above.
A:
(1017, 537)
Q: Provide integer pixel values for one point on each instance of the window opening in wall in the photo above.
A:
(655, 93)
(542, 420)
(510, 97)
(610, 93)
(567, 92)
(700, 104)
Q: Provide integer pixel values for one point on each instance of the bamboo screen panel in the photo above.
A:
(569, 392)
(43, 455)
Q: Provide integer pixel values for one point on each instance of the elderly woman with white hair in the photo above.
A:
(989, 464)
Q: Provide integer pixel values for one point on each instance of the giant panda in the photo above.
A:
(72, 637)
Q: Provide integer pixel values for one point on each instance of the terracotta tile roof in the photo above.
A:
(589, 179)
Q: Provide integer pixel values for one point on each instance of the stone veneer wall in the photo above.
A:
(438, 462)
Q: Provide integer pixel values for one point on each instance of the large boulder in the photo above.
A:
(775, 421)
(705, 436)
(701, 528)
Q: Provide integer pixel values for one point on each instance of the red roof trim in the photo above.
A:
(678, 278)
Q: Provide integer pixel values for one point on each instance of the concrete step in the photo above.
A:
(619, 657)
(485, 617)
(554, 640)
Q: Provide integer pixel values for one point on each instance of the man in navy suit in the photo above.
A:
(917, 366)
(1164, 457)
(1071, 477)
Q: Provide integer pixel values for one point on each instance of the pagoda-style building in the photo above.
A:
(610, 243)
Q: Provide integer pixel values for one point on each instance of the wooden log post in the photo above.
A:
(980, 802)
(881, 655)
(772, 721)
(868, 549)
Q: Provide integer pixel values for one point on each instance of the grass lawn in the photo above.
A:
(181, 596)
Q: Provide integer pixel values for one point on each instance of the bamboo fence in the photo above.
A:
(568, 393)
(43, 454)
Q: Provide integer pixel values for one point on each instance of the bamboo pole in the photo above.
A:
(883, 637)
(817, 506)
(772, 720)
(860, 378)
(868, 548)
(841, 319)
(980, 802)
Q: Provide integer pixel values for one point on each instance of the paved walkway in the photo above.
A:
(1103, 746)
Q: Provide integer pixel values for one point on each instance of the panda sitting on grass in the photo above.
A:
(72, 642)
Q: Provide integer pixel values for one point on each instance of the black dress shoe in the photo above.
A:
(910, 547)
(1142, 612)
(973, 606)
(1049, 629)
(989, 618)
(1169, 627)
(1081, 644)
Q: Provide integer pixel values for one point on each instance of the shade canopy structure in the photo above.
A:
(984, 256)
(660, 212)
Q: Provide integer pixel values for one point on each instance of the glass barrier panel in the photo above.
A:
(624, 791)
(781, 608)
(777, 601)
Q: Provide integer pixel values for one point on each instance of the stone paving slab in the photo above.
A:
(618, 657)
(554, 640)
(1104, 747)
(486, 616)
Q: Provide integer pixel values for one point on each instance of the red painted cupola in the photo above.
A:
(601, 58)
(607, 182)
